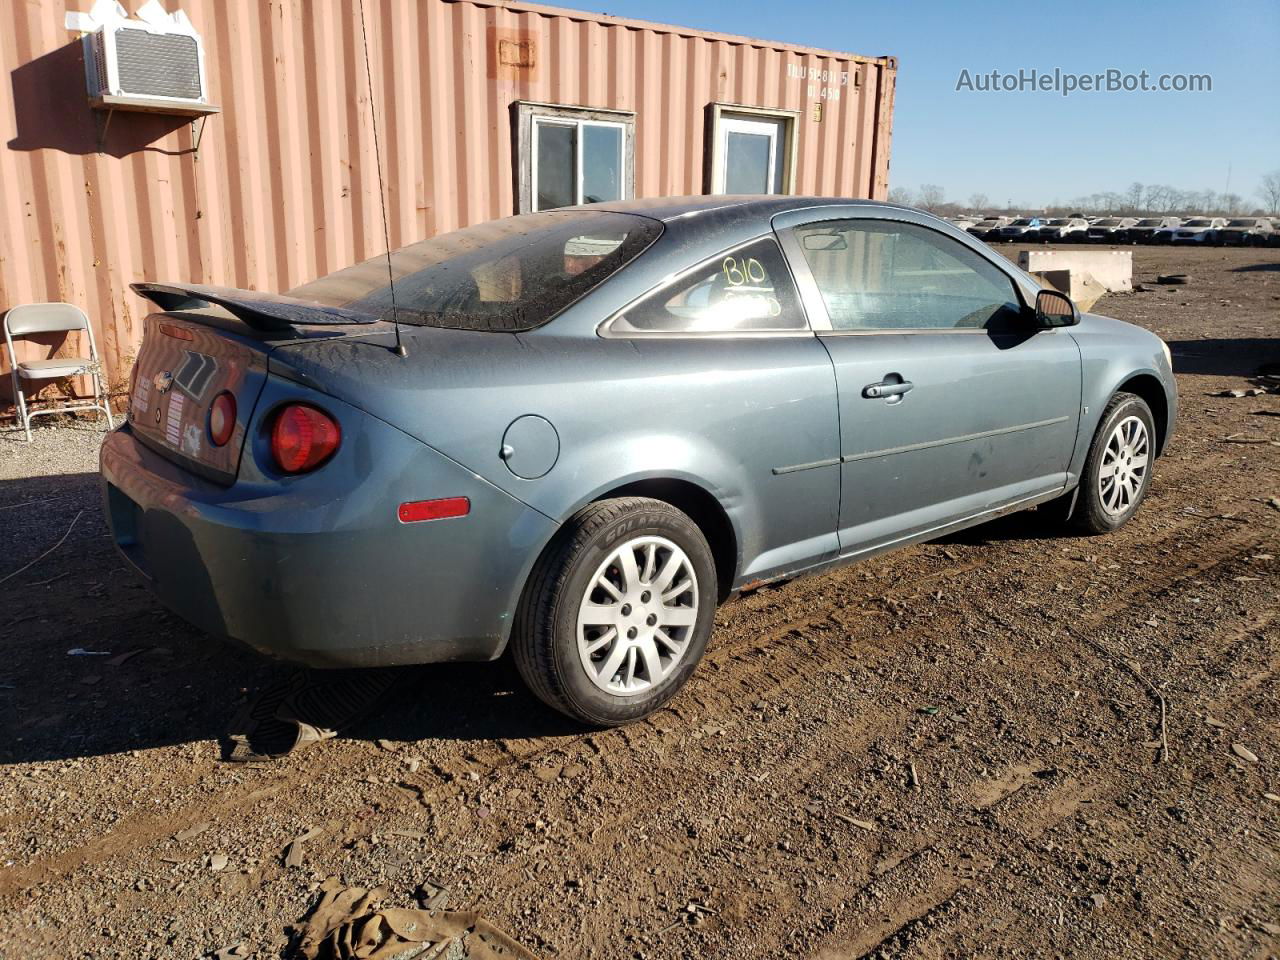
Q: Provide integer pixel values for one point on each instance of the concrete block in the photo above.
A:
(1080, 286)
(1111, 268)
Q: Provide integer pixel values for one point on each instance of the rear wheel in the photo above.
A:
(617, 612)
(1117, 472)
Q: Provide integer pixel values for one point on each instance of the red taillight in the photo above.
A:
(416, 511)
(303, 438)
(222, 418)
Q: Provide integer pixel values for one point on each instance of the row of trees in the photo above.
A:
(1139, 200)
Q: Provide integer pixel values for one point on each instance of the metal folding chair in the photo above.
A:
(32, 318)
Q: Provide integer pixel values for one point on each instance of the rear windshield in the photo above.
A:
(506, 275)
(1199, 223)
(1150, 223)
(1106, 223)
(1243, 223)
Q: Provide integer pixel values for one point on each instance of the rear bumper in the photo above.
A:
(318, 569)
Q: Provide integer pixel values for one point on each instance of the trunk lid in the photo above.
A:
(214, 340)
(182, 366)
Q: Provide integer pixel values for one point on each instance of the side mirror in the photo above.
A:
(1055, 309)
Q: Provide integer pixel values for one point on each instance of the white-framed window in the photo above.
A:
(572, 155)
(752, 150)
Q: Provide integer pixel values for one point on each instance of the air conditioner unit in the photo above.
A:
(145, 65)
(154, 63)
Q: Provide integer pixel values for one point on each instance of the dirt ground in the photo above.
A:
(949, 751)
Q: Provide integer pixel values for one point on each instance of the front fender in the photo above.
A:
(1112, 354)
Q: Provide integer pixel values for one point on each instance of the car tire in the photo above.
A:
(1117, 471)
(582, 587)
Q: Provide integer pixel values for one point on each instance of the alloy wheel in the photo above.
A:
(637, 616)
(1124, 466)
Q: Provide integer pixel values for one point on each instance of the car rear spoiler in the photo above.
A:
(261, 311)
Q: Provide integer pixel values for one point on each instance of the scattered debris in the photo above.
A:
(913, 776)
(121, 659)
(193, 831)
(1172, 279)
(1238, 393)
(348, 923)
(1244, 753)
(432, 895)
(82, 652)
(854, 821)
(218, 862)
(1136, 670)
(233, 952)
(61, 540)
(293, 849)
(304, 708)
(1245, 438)
(388, 745)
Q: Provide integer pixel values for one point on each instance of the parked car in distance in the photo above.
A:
(1273, 238)
(1019, 229)
(1243, 232)
(1061, 230)
(1108, 229)
(1197, 230)
(1146, 229)
(985, 229)
(962, 223)
(590, 426)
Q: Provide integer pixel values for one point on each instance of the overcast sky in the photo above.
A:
(1034, 148)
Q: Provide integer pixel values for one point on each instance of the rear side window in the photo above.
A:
(746, 290)
(506, 275)
(885, 275)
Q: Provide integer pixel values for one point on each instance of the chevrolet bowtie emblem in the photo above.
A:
(162, 381)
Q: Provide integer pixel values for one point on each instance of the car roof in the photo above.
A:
(730, 207)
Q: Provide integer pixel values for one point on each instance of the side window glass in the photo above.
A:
(884, 275)
(745, 290)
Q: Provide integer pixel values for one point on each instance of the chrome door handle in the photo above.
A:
(886, 388)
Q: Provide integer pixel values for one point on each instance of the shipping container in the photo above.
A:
(483, 109)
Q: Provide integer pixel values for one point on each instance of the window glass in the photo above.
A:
(882, 275)
(745, 290)
(601, 163)
(747, 163)
(504, 275)
(557, 146)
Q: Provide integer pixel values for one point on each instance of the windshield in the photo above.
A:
(1243, 223)
(1021, 223)
(1199, 223)
(506, 275)
(1058, 223)
(1106, 223)
(1149, 223)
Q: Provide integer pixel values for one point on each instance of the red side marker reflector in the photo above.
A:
(417, 510)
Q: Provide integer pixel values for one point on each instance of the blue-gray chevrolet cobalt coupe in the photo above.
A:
(590, 426)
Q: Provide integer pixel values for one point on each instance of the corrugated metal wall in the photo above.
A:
(284, 187)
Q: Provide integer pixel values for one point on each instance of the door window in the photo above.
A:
(886, 275)
(745, 290)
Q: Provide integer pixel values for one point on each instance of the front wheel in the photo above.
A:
(1117, 471)
(617, 611)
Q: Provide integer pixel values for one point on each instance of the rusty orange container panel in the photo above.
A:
(284, 184)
